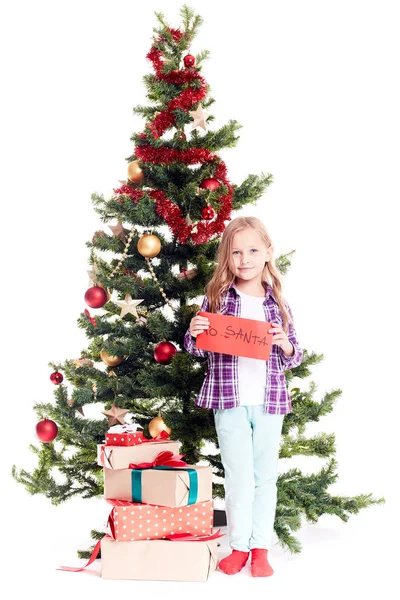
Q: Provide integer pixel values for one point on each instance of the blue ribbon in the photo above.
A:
(137, 483)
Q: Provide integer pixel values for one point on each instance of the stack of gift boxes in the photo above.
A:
(161, 522)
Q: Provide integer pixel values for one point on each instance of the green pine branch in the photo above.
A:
(250, 190)
(321, 445)
(306, 496)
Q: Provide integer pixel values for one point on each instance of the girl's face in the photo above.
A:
(249, 255)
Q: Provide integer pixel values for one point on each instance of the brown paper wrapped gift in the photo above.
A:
(120, 457)
(158, 560)
(160, 487)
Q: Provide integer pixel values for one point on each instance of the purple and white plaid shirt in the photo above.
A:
(220, 389)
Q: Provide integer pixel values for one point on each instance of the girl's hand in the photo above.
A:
(198, 325)
(281, 339)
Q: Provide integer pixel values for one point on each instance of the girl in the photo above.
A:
(249, 397)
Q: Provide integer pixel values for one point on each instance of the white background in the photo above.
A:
(315, 86)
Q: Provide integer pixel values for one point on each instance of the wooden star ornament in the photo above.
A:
(128, 306)
(93, 274)
(199, 117)
(82, 362)
(115, 415)
(120, 232)
(79, 409)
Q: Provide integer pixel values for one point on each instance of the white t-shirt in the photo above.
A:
(252, 371)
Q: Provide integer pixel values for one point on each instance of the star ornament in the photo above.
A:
(199, 117)
(82, 362)
(120, 232)
(115, 415)
(93, 274)
(128, 306)
(78, 409)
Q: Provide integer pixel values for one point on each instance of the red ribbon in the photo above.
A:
(93, 557)
(166, 458)
(163, 435)
(189, 537)
(184, 271)
(91, 319)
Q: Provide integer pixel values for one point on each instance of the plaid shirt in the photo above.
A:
(220, 388)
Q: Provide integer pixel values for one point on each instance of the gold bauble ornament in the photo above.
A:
(135, 173)
(149, 245)
(157, 425)
(109, 360)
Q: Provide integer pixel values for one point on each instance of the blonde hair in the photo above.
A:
(223, 275)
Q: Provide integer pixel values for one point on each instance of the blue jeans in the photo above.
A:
(249, 442)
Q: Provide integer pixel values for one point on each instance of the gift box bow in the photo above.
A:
(166, 461)
(166, 458)
(125, 428)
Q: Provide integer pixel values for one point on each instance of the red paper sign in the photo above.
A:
(237, 336)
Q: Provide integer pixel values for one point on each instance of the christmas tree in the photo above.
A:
(149, 267)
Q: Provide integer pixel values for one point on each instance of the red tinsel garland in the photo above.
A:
(134, 194)
(191, 156)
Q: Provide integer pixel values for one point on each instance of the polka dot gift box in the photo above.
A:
(131, 521)
(124, 435)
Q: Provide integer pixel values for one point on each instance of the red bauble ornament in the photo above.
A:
(164, 352)
(180, 135)
(96, 297)
(207, 213)
(46, 430)
(56, 377)
(210, 184)
(189, 60)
